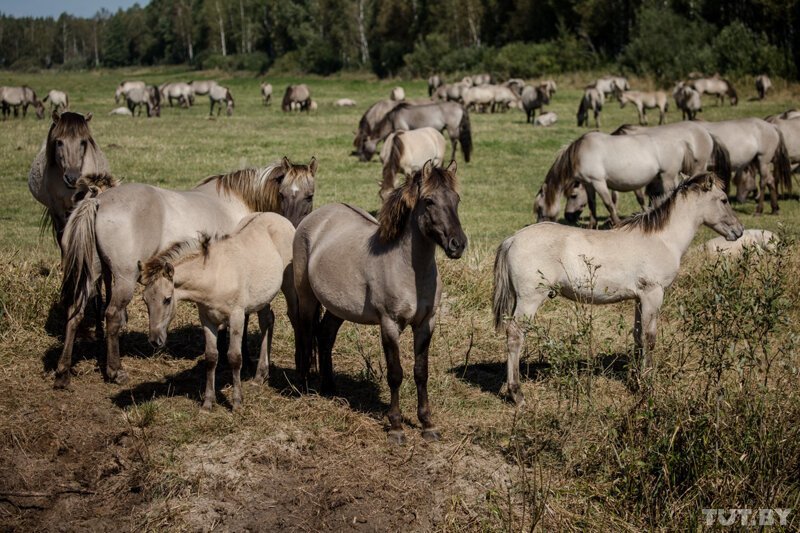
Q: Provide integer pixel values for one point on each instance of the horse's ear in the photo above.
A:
(427, 169)
(88, 116)
(169, 271)
(56, 116)
(452, 167)
(708, 182)
(286, 164)
(312, 166)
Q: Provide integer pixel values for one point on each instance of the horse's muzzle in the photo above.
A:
(455, 247)
(70, 180)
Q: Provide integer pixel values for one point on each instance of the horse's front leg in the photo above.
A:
(642, 115)
(646, 324)
(605, 195)
(326, 337)
(768, 182)
(210, 331)
(422, 341)
(121, 294)
(390, 332)
(591, 199)
(266, 323)
(236, 327)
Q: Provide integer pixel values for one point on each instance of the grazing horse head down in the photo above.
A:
(67, 142)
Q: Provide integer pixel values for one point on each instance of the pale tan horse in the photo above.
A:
(97, 240)
(217, 95)
(59, 100)
(380, 272)
(607, 85)
(716, 86)
(266, 93)
(398, 94)
(638, 260)
(68, 152)
(763, 85)
(369, 120)
(643, 101)
(592, 100)
(202, 87)
(227, 279)
(125, 86)
(144, 98)
(688, 100)
(759, 239)
(296, 97)
(179, 91)
(16, 97)
(407, 152)
(434, 82)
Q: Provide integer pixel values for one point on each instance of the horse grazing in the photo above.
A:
(369, 120)
(592, 100)
(296, 94)
(644, 101)
(96, 240)
(407, 152)
(438, 115)
(397, 94)
(124, 87)
(534, 98)
(266, 93)
(59, 100)
(217, 95)
(23, 97)
(609, 84)
(718, 87)
(756, 142)
(144, 98)
(604, 162)
(227, 279)
(434, 82)
(178, 90)
(69, 152)
(638, 260)
(379, 272)
(763, 84)
(202, 88)
(688, 100)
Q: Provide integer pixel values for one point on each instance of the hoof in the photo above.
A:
(121, 377)
(261, 378)
(431, 434)
(206, 407)
(396, 437)
(62, 382)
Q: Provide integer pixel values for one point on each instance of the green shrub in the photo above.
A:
(739, 51)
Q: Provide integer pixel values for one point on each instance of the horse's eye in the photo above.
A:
(310, 198)
(83, 144)
(167, 300)
(724, 200)
(429, 201)
(59, 143)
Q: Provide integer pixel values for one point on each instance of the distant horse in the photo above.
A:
(481, 79)
(296, 94)
(180, 91)
(534, 98)
(345, 102)
(23, 97)
(592, 100)
(546, 119)
(644, 101)
(608, 84)
(202, 88)
(452, 92)
(604, 162)
(718, 87)
(380, 272)
(139, 98)
(369, 120)
(438, 115)
(434, 82)
(121, 111)
(217, 95)
(69, 152)
(407, 152)
(638, 260)
(763, 84)
(752, 141)
(688, 100)
(227, 279)
(266, 93)
(398, 94)
(59, 100)
(97, 241)
(759, 239)
(516, 85)
(550, 86)
(124, 87)
(491, 97)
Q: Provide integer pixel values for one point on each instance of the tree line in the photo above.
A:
(665, 39)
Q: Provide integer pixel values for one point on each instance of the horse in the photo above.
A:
(121, 111)
(592, 100)
(688, 100)
(483, 97)
(227, 279)
(178, 90)
(434, 82)
(97, 241)
(577, 199)
(397, 94)
(299, 94)
(753, 238)
(69, 152)
(534, 98)
(143, 97)
(266, 93)
(638, 260)
(218, 94)
(345, 102)
(763, 84)
(546, 119)
(790, 130)
(718, 87)
(753, 141)
(17, 97)
(515, 84)
(124, 87)
(59, 100)
(380, 272)
(438, 115)
(407, 152)
(452, 92)
(369, 120)
(202, 88)
(604, 162)
(550, 86)
(608, 84)
(481, 79)
(644, 101)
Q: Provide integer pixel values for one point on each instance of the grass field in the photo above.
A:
(715, 425)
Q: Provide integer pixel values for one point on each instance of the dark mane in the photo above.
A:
(175, 254)
(625, 129)
(69, 125)
(562, 171)
(656, 218)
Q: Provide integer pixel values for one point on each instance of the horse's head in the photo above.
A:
(732, 94)
(67, 142)
(296, 189)
(229, 99)
(543, 93)
(38, 106)
(715, 209)
(546, 208)
(159, 295)
(576, 201)
(155, 111)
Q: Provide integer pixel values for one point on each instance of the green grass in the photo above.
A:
(495, 466)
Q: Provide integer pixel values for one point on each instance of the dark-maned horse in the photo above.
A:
(217, 95)
(436, 115)
(17, 97)
(366, 125)
(380, 272)
(296, 97)
(592, 100)
(718, 87)
(147, 98)
(98, 244)
(434, 82)
(534, 98)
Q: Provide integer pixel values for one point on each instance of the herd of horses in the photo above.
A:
(235, 240)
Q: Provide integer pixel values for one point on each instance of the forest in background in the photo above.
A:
(663, 39)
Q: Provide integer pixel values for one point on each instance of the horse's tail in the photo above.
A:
(782, 166)
(563, 171)
(722, 162)
(287, 100)
(46, 97)
(583, 111)
(465, 135)
(504, 300)
(80, 262)
(392, 164)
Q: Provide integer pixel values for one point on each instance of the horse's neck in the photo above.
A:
(192, 280)
(681, 228)
(227, 197)
(419, 250)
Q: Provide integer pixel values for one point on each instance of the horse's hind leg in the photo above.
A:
(422, 341)
(266, 323)
(391, 350)
(768, 182)
(121, 294)
(646, 325)
(235, 355)
(326, 337)
(74, 315)
(515, 341)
